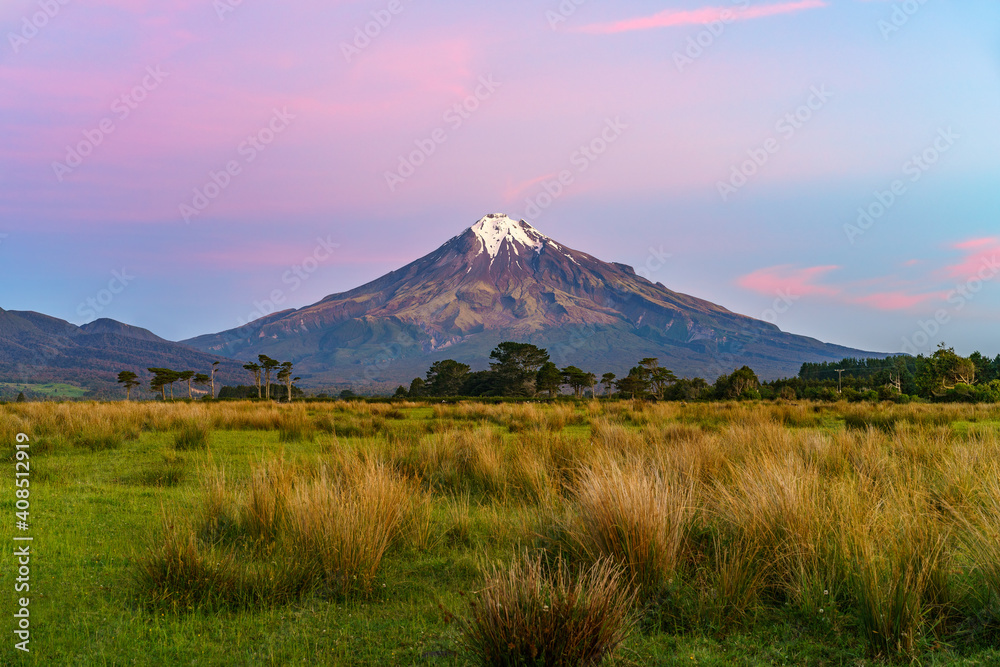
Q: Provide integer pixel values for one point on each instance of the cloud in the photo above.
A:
(897, 300)
(794, 282)
(790, 280)
(981, 255)
(980, 261)
(671, 18)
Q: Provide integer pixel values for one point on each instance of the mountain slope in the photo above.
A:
(36, 348)
(502, 279)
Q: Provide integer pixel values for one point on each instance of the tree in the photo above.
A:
(577, 379)
(20, 397)
(162, 378)
(742, 383)
(269, 365)
(157, 384)
(255, 369)
(608, 380)
(285, 376)
(634, 384)
(479, 383)
(215, 369)
(943, 370)
(128, 379)
(549, 379)
(401, 392)
(516, 367)
(186, 376)
(204, 380)
(445, 378)
(686, 390)
(418, 388)
(659, 378)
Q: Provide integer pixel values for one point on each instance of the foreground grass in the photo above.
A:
(720, 480)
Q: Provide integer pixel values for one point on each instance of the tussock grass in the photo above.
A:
(623, 512)
(296, 427)
(192, 435)
(289, 531)
(529, 614)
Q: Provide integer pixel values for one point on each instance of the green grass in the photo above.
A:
(53, 390)
(96, 510)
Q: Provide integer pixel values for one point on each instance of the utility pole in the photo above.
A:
(840, 375)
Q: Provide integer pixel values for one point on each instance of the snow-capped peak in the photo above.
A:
(495, 228)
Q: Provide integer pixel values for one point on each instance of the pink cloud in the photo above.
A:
(980, 255)
(673, 17)
(976, 243)
(897, 300)
(789, 279)
(802, 282)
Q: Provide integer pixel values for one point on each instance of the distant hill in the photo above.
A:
(36, 349)
(502, 279)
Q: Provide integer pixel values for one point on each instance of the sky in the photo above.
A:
(830, 166)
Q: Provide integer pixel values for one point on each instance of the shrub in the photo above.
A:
(528, 615)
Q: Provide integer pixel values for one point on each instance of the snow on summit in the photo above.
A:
(495, 228)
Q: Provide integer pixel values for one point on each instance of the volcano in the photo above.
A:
(502, 279)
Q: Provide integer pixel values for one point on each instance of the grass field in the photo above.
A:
(51, 389)
(354, 533)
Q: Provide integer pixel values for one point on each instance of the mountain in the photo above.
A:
(38, 349)
(499, 280)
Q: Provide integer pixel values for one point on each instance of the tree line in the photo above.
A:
(521, 369)
(525, 370)
(165, 378)
(941, 376)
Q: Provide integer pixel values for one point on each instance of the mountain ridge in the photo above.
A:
(503, 279)
(36, 349)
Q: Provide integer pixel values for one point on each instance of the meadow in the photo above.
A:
(588, 532)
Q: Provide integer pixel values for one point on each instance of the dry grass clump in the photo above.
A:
(634, 516)
(295, 426)
(529, 614)
(341, 529)
(898, 565)
(456, 460)
(290, 530)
